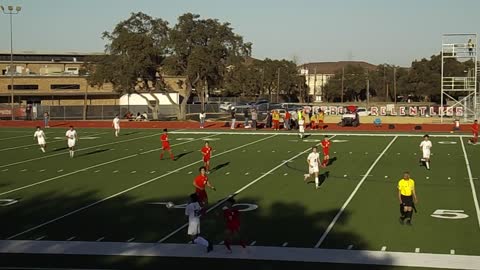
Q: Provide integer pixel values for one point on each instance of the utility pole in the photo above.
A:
(385, 89)
(368, 89)
(395, 84)
(315, 85)
(278, 83)
(343, 78)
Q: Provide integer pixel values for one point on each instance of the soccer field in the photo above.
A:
(109, 201)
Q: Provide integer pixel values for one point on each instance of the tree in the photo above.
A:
(201, 50)
(134, 51)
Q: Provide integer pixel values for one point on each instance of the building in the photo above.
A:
(317, 74)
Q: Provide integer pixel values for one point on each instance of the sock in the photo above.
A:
(116, 133)
(227, 244)
(316, 181)
(207, 167)
(43, 149)
(409, 215)
(161, 155)
(427, 163)
(171, 156)
(200, 241)
(73, 153)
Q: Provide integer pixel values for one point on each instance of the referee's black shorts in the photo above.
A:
(407, 200)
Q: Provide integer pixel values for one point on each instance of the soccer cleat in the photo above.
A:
(401, 220)
(210, 246)
(409, 222)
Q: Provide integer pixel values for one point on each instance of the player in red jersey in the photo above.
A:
(232, 222)
(165, 145)
(326, 151)
(207, 154)
(200, 182)
(474, 140)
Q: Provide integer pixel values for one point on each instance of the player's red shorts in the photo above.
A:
(326, 151)
(475, 134)
(166, 146)
(206, 159)
(202, 195)
(233, 227)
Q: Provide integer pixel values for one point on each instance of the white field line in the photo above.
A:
(472, 184)
(78, 150)
(92, 167)
(16, 137)
(263, 253)
(132, 188)
(48, 142)
(237, 192)
(330, 226)
(323, 134)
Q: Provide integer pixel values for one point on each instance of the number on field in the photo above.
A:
(449, 214)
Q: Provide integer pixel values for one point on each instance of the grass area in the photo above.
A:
(110, 192)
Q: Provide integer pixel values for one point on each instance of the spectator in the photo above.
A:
(128, 115)
(254, 118)
(470, 47)
(34, 111)
(287, 120)
(276, 120)
(294, 122)
(232, 113)
(144, 116)
(202, 116)
(139, 117)
(268, 120)
(456, 125)
(46, 118)
(321, 119)
(246, 115)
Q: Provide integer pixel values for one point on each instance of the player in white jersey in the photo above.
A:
(313, 161)
(194, 211)
(116, 125)
(425, 145)
(72, 138)
(301, 127)
(41, 138)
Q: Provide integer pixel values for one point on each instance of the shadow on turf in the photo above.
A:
(60, 149)
(98, 151)
(321, 178)
(123, 217)
(179, 156)
(332, 160)
(220, 166)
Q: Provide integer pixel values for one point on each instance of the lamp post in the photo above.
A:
(11, 10)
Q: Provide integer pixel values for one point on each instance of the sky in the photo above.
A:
(377, 31)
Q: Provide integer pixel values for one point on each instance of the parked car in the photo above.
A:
(362, 111)
(225, 106)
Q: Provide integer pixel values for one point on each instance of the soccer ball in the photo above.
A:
(170, 205)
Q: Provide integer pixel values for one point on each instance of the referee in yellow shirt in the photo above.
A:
(407, 197)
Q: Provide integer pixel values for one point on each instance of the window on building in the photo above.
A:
(23, 87)
(65, 86)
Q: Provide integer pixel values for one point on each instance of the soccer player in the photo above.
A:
(425, 145)
(200, 182)
(116, 125)
(166, 145)
(474, 127)
(193, 211)
(72, 138)
(313, 162)
(207, 152)
(232, 221)
(301, 127)
(326, 150)
(41, 138)
(407, 197)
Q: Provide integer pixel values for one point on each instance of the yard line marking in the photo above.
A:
(9, 138)
(262, 253)
(350, 247)
(285, 244)
(96, 171)
(24, 170)
(100, 239)
(42, 170)
(452, 251)
(227, 173)
(237, 192)
(417, 250)
(61, 170)
(131, 239)
(253, 243)
(247, 173)
(136, 186)
(71, 238)
(472, 185)
(82, 149)
(133, 171)
(285, 174)
(152, 172)
(384, 248)
(84, 169)
(4, 170)
(190, 172)
(116, 171)
(40, 238)
(330, 226)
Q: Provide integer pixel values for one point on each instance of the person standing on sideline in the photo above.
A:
(474, 128)
(46, 118)
(287, 120)
(41, 138)
(425, 145)
(72, 138)
(232, 113)
(407, 197)
(246, 115)
(313, 160)
(276, 120)
(116, 125)
(301, 127)
(166, 145)
(202, 116)
(254, 119)
(194, 212)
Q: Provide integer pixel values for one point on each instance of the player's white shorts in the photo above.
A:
(313, 169)
(117, 127)
(301, 129)
(71, 142)
(193, 228)
(41, 141)
(426, 154)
